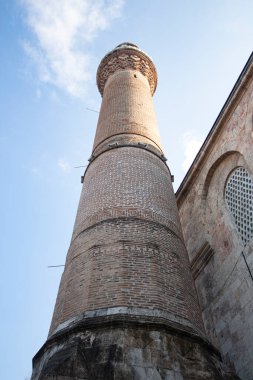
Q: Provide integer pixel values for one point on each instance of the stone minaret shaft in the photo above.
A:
(127, 283)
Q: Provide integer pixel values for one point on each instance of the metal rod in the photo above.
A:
(247, 266)
(89, 109)
(55, 266)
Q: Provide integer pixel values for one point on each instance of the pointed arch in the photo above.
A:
(214, 167)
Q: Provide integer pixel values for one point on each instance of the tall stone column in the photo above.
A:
(126, 306)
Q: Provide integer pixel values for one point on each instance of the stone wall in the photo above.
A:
(223, 280)
(124, 350)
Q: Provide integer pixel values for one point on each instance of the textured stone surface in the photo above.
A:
(128, 353)
(224, 285)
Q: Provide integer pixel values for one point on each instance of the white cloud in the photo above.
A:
(63, 30)
(64, 165)
(192, 145)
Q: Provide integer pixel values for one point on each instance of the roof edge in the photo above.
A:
(238, 89)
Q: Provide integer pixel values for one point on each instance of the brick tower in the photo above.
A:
(126, 306)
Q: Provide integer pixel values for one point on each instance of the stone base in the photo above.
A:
(127, 352)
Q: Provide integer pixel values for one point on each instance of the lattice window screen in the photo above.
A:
(239, 198)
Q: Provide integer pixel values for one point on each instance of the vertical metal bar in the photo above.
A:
(247, 266)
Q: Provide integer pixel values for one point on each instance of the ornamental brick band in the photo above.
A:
(133, 213)
(126, 57)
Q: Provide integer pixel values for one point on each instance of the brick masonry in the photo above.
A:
(127, 283)
(149, 270)
(127, 247)
(127, 107)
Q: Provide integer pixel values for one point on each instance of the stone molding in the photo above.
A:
(134, 314)
(115, 145)
(131, 139)
(140, 145)
(127, 58)
(201, 259)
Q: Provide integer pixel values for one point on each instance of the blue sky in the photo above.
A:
(50, 51)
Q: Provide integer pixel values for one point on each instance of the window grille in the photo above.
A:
(239, 198)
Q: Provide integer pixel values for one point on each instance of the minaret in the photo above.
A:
(126, 306)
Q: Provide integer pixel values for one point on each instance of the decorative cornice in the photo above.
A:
(124, 57)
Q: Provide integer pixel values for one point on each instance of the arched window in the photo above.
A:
(239, 198)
